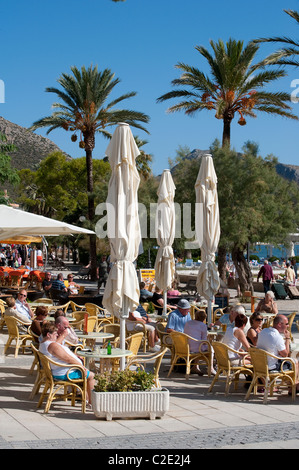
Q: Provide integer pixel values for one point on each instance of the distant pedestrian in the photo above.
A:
(266, 272)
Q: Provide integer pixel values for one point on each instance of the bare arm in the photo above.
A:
(58, 351)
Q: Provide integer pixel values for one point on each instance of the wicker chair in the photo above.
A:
(49, 392)
(225, 367)
(259, 359)
(14, 334)
(182, 351)
(142, 360)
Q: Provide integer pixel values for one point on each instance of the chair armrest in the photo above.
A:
(70, 367)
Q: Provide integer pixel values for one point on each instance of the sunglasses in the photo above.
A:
(23, 295)
(258, 319)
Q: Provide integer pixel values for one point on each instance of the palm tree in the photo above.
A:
(83, 109)
(235, 86)
(283, 56)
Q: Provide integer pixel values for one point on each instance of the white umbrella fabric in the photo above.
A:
(165, 232)
(207, 227)
(122, 288)
(16, 222)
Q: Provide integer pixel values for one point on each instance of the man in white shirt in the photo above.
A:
(271, 340)
(22, 305)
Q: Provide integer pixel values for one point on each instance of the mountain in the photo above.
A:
(31, 148)
(289, 172)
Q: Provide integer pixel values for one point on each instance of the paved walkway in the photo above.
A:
(195, 420)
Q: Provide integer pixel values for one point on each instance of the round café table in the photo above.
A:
(90, 338)
(108, 362)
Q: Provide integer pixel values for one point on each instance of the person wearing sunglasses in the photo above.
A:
(22, 305)
(256, 322)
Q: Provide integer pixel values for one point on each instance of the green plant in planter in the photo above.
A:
(124, 381)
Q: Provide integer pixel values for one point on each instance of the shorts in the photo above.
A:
(286, 366)
(75, 374)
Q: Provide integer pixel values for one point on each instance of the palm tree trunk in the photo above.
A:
(91, 212)
(226, 131)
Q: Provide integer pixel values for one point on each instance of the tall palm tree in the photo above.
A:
(234, 87)
(83, 109)
(286, 55)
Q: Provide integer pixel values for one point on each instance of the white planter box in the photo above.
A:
(151, 404)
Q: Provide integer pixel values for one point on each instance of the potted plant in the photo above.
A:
(128, 394)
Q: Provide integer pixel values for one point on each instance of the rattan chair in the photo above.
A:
(182, 351)
(113, 328)
(259, 359)
(141, 360)
(15, 335)
(133, 343)
(75, 306)
(138, 326)
(164, 337)
(224, 366)
(50, 384)
(291, 319)
(40, 376)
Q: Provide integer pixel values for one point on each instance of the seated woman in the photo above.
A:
(256, 321)
(235, 338)
(197, 329)
(173, 292)
(152, 333)
(62, 354)
(158, 300)
(267, 304)
(41, 313)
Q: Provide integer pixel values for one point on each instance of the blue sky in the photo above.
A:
(140, 41)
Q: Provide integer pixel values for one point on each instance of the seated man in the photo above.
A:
(152, 334)
(22, 305)
(179, 317)
(64, 331)
(59, 283)
(11, 311)
(47, 283)
(228, 319)
(272, 341)
(144, 293)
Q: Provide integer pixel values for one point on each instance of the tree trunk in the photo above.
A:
(243, 270)
(222, 262)
(89, 143)
(227, 119)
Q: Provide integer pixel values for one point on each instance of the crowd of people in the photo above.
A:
(56, 339)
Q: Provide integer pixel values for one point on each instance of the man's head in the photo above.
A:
(142, 285)
(22, 295)
(48, 275)
(70, 277)
(265, 261)
(61, 324)
(281, 323)
(236, 310)
(184, 307)
(60, 277)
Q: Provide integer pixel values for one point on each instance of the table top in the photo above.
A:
(95, 335)
(102, 353)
